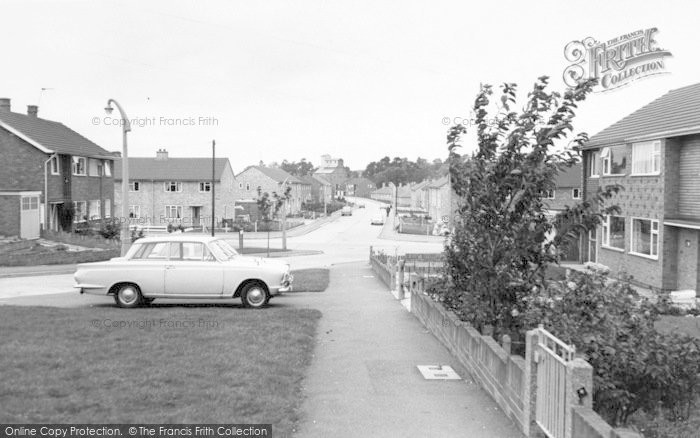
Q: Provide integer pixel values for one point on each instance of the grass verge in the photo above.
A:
(311, 280)
(154, 365)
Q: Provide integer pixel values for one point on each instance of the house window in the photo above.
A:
(134, 211)
(247, 186)
(173, 211)
(107, 168)
(93, 167)
(593, 160)
(108, 208)
(79, 211)
(205, 186)
(173, 186)
(94, 210)
(646, 158)
(79, 166)
(30, 203)
(645, 237)
(134, 186)
(576, 193)
(614, 232)
(614, 160)
(55, 167)
(548, 194)
(240, 185)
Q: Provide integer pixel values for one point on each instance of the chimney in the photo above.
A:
(4, 104)
(162, 154)
(32, 110)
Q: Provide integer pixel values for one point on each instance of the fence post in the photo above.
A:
(399, 286)
(530, 385)
(579, 390)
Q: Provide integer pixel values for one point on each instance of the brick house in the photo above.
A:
(567, 190)
(360, 187)
(47, 163)
(320, 188)
(419, 196)
(333, 170)
(164, 190)
(272, 179)
(654, 155)
(439, 200)
(384, 194)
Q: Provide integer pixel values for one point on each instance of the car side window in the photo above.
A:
(196, 251)
(159, 251)
(175, 251)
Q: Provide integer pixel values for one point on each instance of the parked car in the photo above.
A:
(184, 266)
(361, 206)
(378, 219)
(346, 211)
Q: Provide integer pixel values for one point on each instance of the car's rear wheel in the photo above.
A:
(255, 295)
(127, 296)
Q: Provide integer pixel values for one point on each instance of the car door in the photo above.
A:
(192, 270)
(147, 267)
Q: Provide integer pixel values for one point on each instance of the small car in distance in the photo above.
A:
(377, 220)
(361, 206)
(184, 266)
(346, 211)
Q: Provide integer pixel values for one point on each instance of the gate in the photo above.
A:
(552, 356)
(29, 217)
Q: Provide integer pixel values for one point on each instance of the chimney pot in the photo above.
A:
(5, 104)
(32, 110)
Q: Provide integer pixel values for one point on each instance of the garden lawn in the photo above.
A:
(310, 280)
(210, 364)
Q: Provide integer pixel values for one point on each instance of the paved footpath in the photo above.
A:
(363, 381)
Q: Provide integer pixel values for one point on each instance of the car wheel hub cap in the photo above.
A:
(128, 295)
(256, 296)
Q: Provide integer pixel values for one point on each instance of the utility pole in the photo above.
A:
(213, 185)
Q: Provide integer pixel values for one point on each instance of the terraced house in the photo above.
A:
(178, 191)
(654, 156)
(51, 177)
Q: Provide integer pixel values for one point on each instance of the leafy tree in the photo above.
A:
(301, 168)
(269, 207)
(500, 246)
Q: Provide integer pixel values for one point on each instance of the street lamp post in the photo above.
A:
(126, 127)
(284, 217)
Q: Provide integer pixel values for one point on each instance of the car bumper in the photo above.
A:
(92, 289)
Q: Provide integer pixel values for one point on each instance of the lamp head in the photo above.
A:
(109, 109)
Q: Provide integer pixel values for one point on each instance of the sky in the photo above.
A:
(281, 80)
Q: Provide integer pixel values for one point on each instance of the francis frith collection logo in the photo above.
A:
(615, 62)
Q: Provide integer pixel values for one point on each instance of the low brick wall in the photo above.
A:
(57, 257)
(385, 271)
(501, 374)
(588, 424)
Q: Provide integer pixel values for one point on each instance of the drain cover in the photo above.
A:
(438, 372)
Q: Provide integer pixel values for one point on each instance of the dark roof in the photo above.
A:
(171, 169)
(359, 180)
(420, 185)
(53, 136)
(276, 174)
(438, 183)
(673, 114)
(569, 177)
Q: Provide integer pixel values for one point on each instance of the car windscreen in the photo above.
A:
(223, 250)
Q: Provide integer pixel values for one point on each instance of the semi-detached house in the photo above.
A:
(654, 156)
(50, 176)
(165, 190)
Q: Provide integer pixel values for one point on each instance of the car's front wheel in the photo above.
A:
(255, 295)
(127, 296)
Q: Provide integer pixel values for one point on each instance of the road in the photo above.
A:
(344, 240)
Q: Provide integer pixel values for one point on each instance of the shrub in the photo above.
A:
(635, 367)
(110, 229)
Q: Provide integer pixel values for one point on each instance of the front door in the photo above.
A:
(196, 216)
(192, 270)
(30, 218)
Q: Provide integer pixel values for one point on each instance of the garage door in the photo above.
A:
(30, 217)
